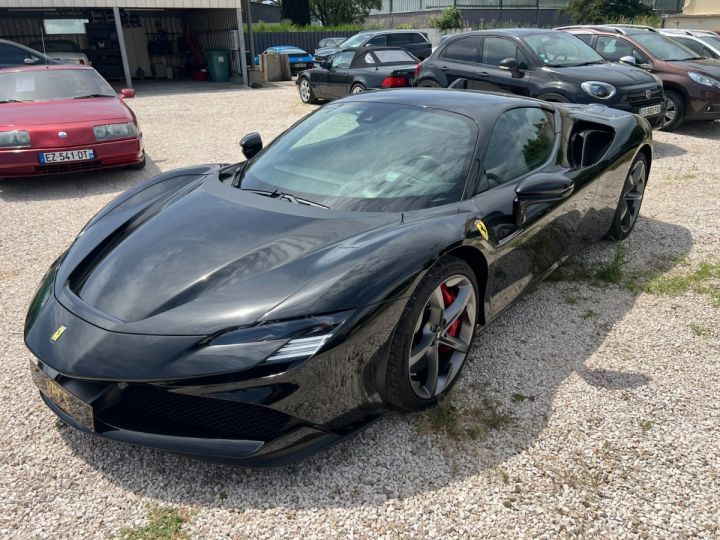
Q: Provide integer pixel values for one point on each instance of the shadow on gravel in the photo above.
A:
(702, 130)
(663, 150)
(74, 185)
(563, 330)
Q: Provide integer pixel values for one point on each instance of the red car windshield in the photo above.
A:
(51, 84)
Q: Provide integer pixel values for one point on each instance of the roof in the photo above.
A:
(386, 31)
(474, 104)
(42, 67)
(624, 29)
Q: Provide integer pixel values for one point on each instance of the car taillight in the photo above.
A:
(417, 69)
(82, 61)
(394, 82)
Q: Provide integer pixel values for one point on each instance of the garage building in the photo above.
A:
(140, 39)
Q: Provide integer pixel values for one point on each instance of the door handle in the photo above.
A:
(482, 74)
(444, 68)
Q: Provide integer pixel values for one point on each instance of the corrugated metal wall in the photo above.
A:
(143, 4)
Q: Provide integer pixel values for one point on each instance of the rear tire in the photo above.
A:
(554, 98)
(306, 92)
(357, 88)
(429, 83)
(628, 208)
(428, 349)
(675, 113)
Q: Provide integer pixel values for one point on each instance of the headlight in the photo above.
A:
(704, 80)
(44, 292)
(115, 131)
(598, 89)
(14, 139)
(297, 339)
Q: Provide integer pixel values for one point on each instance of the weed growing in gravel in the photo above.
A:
(701, 281)
(589, 314)
(613, 272)
(572, 299)
(458, 424)
(519, 398)
(59, 424)
(646, 425)
(164, 523)
(699, 330)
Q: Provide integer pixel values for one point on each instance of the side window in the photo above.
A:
(613, 49)
(694, 46)
(377, 40)
(464, 49)
(364, 60)
(398, 39)
(343, 59)
(521, 141)
(14, 55)
(495, 50)
(416, 38)
(587, 38)
(707, 53)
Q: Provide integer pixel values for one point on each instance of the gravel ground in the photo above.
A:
(609, 397)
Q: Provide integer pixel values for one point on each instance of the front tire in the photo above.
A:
(675, 112)
(432, 339)
(306, 92)
(628, 208)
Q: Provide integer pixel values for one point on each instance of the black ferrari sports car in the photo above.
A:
(355, 70)
(257, 312)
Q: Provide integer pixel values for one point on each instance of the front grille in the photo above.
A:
(148, 408)
(297, 55)
(638, 99)
(69, 167)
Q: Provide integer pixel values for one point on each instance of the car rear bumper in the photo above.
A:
(25, 162)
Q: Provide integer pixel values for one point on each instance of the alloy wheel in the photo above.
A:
(633, 196)
(670, 112)
(357, 89)
(305, 90)
(442, 337)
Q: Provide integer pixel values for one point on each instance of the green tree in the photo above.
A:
(339, 12)
(298, 11)
(449, 19)
(602, 11)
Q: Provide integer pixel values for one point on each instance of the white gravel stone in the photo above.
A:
(620, 439)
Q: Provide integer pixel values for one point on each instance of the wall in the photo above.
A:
(701, 7)
(477, 17)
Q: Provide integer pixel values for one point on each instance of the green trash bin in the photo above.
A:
(218, 61)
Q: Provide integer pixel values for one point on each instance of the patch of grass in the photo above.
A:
(164, 523)
(703, 280)
(443, 418)
(508, 503)
(700, 330)
(589, 314)
(59, 424)
(572, 299)
(222, 496)
(646, 425)
(504, 476)
(613, 272)
(519, 398)
(447, 419)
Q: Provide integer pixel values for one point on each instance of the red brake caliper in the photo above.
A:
(448, 299)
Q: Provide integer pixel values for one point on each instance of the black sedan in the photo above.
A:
(257, 312)
(355, 70)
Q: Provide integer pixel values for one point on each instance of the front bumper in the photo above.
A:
(704, 104)
(25, 162)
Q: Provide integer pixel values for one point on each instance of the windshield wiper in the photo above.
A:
(285, 196)
(92, 96)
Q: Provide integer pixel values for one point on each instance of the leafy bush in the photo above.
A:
(449, 19)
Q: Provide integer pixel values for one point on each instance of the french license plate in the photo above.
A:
(651, 110)
(301, 65)
(75, 407)
(67, 155)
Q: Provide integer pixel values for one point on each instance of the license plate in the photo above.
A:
(65, 156)
(651, 110)
(75, 407)
(300, 65)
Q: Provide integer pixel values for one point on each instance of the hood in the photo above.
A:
(706, 65)
(201, 259)
(287, 49)
(328, 51)
(66, 111)
(615, 74)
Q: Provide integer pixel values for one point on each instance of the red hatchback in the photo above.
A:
(64, 118)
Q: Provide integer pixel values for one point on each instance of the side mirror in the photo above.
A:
(629, 60)
(251, 144)
(540, 188)
(31, 60)
(127, 93)
(511, 65)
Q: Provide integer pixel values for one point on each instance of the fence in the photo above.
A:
(405, 6)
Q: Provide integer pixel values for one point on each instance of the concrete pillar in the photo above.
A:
(123, 50)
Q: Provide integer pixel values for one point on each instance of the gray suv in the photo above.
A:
(544, 64)
(414, 42)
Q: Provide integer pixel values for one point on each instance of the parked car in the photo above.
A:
(13, 54)
(702, 43)
(352, 71)
(63, 50)
(64, 118)
(298, 58)
(258, 312)
(416, 43)
(545, 64)
(330, 42)
(691, 83)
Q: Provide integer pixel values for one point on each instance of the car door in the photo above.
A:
(490, 76)
(614, 48)
(524, 143)
(15, 56)
(339, 76)
(460, 59)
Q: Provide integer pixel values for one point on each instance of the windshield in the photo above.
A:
(399, 56)
(56, 46)
(713, 41)
(664, 48)
(561, 49)
(354, 41)
(52, 84)
(369, 157)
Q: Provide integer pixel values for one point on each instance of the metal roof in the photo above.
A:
(131, 4)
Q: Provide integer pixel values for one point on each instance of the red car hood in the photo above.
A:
(42, 113)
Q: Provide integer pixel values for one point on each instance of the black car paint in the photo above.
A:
(314, 261)
(333, 82)
(540, 81)
(419, 50)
